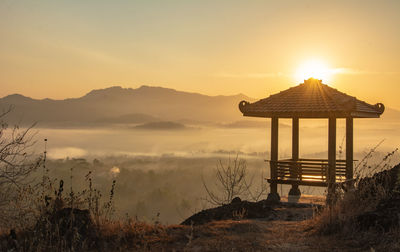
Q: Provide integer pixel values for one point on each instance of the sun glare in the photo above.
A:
(313, 69)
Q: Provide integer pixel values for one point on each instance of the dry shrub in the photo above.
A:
(131, 233)
(233, 182)
(358, 206)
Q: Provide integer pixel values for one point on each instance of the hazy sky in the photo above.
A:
(62, 49)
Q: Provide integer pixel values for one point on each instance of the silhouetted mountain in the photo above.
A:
(129, 118)
(252, 124)
(161, 126)
(391, 114)
(124, 105)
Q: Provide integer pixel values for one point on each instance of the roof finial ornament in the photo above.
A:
(380, 107)
(243, 104)
(312, 80)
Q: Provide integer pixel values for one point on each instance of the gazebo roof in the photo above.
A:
(311, 99)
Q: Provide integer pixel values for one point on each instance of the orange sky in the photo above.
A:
(62, 49)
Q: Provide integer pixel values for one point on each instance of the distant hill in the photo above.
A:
(391, 114)
(129, 118)
(252, 124)
(161, 126)
(124, 105)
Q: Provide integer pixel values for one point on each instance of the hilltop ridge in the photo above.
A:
(117, 102)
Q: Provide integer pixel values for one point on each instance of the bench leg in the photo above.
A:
(295, 191)
(294, 194)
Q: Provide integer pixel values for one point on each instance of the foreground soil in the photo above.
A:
(256, 235)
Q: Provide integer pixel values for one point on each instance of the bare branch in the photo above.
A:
(230, 182)
(16, 165)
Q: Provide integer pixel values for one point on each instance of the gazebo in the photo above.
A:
(311, 99)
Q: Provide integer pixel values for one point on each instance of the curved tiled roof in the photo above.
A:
(311, 99)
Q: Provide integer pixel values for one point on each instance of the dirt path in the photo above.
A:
(256, 235)
(286, 227)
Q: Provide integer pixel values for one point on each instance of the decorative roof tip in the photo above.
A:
(380, 107)
(243, 104)
(312, 81)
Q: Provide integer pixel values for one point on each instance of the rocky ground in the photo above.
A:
(261, 210)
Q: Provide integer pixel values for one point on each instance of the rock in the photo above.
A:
(273, 197)
(263, 209)
(249, 210)
(236, 200)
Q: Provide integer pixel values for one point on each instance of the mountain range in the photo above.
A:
(143, 105)
(124, 105)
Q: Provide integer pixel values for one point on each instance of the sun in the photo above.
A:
(313, 69)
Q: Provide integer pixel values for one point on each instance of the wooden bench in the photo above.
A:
(309, 172)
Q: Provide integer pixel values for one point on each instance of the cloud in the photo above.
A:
(82, 51)
(351, 71)
(332, 71)
(249, 75)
